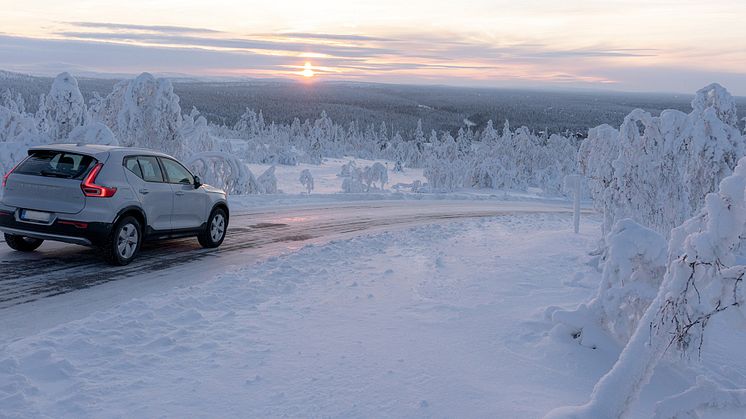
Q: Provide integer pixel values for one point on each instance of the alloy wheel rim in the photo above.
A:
(217, 227)
(127, 241)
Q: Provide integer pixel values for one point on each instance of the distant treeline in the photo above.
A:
(440, 108)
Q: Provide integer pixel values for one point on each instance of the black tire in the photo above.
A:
(122, 245)
(23, 243)
(212, 236)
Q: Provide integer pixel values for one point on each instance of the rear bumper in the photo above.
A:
(87, 234)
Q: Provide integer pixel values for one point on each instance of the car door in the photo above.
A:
(190, 204)
(154, 193)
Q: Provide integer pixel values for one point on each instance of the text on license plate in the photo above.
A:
(35, 215)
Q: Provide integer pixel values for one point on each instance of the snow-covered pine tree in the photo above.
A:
(306, 179)
(64, 107)
(267, 181)
(150, 116)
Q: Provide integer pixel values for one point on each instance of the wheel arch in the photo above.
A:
(224, 206)
(133, 211)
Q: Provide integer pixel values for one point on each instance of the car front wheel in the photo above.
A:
(214, 233)
(22, 243)
(123, 242)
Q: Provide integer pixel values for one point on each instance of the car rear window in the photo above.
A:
(60, 164)
(133, 166)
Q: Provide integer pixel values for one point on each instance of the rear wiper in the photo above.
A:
(55, 174)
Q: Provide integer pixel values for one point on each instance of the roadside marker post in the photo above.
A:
(573, 183)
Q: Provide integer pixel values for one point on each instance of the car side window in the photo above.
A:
(176, 173)
(131, 164)
(151, 170)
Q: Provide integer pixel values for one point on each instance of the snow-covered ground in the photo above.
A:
(328, 188)
(458, 318)
(438, 320)
(325, 176)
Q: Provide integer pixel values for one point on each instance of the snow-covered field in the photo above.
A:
(438, 320)
(325, 175)
(328, 188)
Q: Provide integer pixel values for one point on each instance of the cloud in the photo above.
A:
(337, 37)
(596, 53)
(416, 57)
(444, 47)
(148, 28)
(32, 53)
(231, 43)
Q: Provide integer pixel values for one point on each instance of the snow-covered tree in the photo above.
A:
(19, 127)
(710, 141)
(444, 168)
(64, 107)
(702, 279)
(10, 154)
(224, 171)
(662, 167)
(347, 169)
(376, 173)
(416, 147)
(353, 182)
(14, 103)
(147, 115)
(267, 181)
(195, 133)
(640, 185)
(595, 158)
(93, 133)
(489, 134)
(306, 179)
(248, 125)
(633, 268)
(513, 161)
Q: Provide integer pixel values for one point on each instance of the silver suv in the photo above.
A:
(109, 197)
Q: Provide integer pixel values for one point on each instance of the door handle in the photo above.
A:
(144, 191)
(179, 193)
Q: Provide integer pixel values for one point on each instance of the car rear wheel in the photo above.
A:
(214, 233)
(23, 243)
(123, 242)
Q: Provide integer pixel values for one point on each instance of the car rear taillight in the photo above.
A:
(90, 188)
(5, 177)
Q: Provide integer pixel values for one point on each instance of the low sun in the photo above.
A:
(308, 70)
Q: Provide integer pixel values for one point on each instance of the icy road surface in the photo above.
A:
(57, 269)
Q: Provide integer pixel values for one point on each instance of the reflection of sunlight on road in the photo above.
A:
(295, 246)
(293, 220)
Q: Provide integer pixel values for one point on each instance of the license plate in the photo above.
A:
(35, 216)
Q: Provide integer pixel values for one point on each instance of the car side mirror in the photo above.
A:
(197, 182)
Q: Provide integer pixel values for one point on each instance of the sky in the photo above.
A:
(633, 45)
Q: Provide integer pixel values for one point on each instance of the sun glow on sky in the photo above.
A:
(669, 45)
(307, 70)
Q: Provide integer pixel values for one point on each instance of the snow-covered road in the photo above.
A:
(58, 270)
